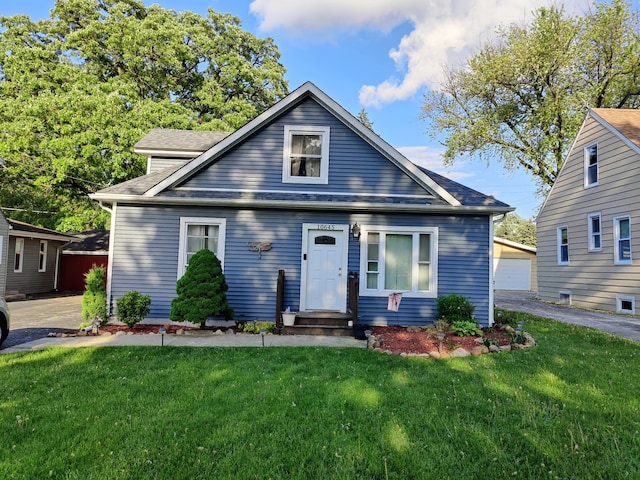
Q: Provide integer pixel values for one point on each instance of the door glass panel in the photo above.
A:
(325, 240)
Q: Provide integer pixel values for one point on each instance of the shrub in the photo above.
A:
(463, 328)
(255, 327)
(133, 307)
(94, 299)
(454, 308)
(201, 291)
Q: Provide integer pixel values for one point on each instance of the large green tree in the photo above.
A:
(515, 228)
(80, 88)
(521, 99)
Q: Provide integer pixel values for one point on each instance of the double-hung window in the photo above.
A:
(399, 260)
(622, 239)
(306, 155)
(18, 255)
(595, 232)
(198, 234)
(591, 166)
(42, 256)
(563, 245)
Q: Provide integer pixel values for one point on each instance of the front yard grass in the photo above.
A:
(568, 408)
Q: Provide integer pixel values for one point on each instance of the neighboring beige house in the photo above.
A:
(588, 230)
(514, 266)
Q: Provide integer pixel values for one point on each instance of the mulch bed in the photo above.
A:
(399, 340)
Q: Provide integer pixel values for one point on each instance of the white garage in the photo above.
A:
(514, 266)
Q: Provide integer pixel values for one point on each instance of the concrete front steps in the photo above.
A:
(333, 324)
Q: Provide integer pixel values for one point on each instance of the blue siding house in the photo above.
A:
(307, 189)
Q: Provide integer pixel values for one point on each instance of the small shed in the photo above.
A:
(515, 266)
(79, 257)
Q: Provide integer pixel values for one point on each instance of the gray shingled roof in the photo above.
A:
(91, 241)
(179, 140)
(139, 185)
(37, 232)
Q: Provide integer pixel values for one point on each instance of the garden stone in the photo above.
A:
(505, 348)
(479, 350)
(460, 352)
(120, 333)
(180, 331)
(494, 348)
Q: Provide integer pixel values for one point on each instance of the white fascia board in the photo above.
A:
(41, 236)
(298, 205)
(167, 153)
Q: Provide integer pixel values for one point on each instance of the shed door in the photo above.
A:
(512, 274)
(325, 276)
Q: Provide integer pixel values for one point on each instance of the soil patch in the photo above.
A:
(399, 340)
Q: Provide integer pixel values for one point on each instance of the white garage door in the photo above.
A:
(512, 274)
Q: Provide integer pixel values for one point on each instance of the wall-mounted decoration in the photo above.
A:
(259, 247)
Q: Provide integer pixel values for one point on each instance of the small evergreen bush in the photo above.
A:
(454, 308)
(201, 291)
(133, 307)
(94, 299)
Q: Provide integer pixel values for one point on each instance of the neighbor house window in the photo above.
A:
(591, 166)
(399, 260)
(563, 245)
(306, 154)
(595, 232)
(42, 256)
(18, 255)
(622, 239)
(625, 304)
(198, 234)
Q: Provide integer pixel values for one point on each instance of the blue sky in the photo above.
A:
(377, 55)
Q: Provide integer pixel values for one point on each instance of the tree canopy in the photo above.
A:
(521, 99)
(79, 89)
(515, 228)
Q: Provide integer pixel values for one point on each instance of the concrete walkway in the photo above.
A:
(627, 326)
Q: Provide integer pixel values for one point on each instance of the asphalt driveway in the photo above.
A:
(35, 319)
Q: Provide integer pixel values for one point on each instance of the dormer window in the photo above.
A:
(591, 166)
(306, 154)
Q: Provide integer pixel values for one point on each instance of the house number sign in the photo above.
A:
(326, 227)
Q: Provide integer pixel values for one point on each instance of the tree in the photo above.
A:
(517, 229)
(202, 291)
(523, 98)
(79, 89)
(363, 118)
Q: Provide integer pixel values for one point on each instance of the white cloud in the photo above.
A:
(431, 159)
(444, 32)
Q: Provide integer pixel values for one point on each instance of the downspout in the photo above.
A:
(491, 279)
(106, 209)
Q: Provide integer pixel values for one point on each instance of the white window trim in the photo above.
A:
(625, 298)
(591, 245)
(42, 254)
(416, 231)
(616, 241)
(15, 251)
(324, 159)
(586, 165)
(559, 245)
(182, 243)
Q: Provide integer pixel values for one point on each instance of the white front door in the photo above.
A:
(324, 267)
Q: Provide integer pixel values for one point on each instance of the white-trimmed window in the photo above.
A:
(595, 232)
(42, 256)
(563, 245)
(198, 234)
(591, 165)
(626, 304)
(18, 255)
(306, 155)
(622, 239)
(399, 260)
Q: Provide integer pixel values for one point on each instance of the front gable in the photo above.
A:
(259, 162)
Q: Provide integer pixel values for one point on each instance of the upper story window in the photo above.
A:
(622, 239)
(591, 166)
(306, 154)
(595, 232)
(563, 245)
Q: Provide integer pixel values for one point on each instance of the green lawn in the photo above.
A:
(568, 408)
